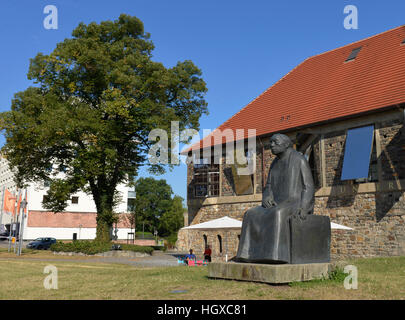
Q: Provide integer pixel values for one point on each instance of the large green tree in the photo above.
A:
(94, 101)
(154, 207)
(173, 219)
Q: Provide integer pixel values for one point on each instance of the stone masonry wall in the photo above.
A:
(378, 229)
(392, 136)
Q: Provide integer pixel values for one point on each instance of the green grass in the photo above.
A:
(336, 277)
(22, 278)
(380, 278)
(147, 235)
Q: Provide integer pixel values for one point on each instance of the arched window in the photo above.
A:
(205, 241)
(220, 243)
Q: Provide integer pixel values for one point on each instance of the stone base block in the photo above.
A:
(310, 239)
(268, 273)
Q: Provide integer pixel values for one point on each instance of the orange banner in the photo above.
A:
(9, 202)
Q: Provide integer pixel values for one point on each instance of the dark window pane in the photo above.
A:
(220, 243)
(214, 168)
(356, 160)
(131, 205)
(200, 190)
(206, 178)
(214, 177)
(353, 54)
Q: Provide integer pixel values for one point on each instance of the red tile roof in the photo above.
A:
(325, 87)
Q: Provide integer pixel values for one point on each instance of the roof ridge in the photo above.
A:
(361, 40)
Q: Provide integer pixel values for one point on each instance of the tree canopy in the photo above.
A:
(94, 101)
(155, 208)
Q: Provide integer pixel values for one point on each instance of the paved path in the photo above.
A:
(158, 259)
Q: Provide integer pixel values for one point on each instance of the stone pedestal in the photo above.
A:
(268, 273)
(310, 239)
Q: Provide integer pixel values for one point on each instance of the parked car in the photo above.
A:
(41, 243)
(4, 235)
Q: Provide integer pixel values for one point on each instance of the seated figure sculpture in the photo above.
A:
(289, 193)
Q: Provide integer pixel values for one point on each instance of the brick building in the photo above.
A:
(79, 219)
(345, 110)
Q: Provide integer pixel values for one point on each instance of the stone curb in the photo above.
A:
(114, 253)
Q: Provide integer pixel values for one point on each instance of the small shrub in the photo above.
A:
(135, 248)
(93, 247)
(171, 241)
(82, 246)
(337, 275)
(160, 248)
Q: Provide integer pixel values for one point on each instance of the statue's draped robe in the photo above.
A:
(265, 231)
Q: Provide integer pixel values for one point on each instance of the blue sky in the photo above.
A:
(242, 47)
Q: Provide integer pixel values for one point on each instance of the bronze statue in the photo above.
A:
(289, 193)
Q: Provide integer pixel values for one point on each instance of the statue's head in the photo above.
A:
(280, 143)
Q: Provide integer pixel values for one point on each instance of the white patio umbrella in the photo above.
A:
(221, 223)
(229, 223)
(339, 226)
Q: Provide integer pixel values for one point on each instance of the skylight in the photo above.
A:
(353, 54)
(403, 42)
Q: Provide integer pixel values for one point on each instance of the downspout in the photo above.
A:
(263, 167)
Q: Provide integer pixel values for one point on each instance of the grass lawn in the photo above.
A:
(23, 277)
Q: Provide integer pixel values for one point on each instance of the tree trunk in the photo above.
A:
(103, 230)
(104, 200)
(105, 220)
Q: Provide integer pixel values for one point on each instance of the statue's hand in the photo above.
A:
(268, 203)
(302, 214)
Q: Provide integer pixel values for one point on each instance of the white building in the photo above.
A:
(79, 217)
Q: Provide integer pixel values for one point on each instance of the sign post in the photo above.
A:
(16, 213)
(22, 209)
